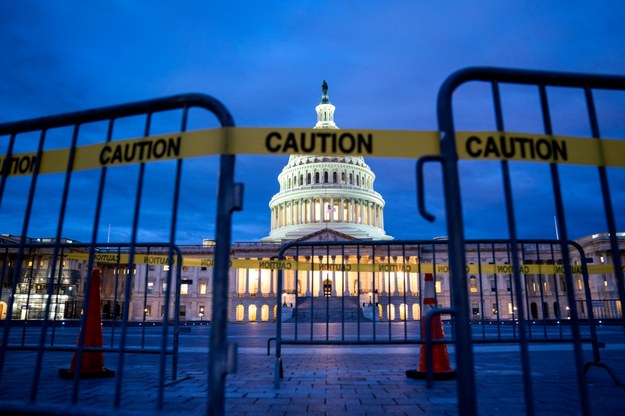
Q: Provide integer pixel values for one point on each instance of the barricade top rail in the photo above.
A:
(530, 77)
(174, 102)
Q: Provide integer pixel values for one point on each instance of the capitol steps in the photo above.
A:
(327, 309)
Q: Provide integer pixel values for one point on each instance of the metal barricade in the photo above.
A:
(586, 84)
(371, 293)
(35, 275)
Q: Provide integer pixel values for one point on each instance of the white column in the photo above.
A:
(308, 279)
(247, 283)
(320, 288)
(342, 210)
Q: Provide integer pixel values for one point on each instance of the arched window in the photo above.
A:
(403, 312)
(342, 177)
(351, 178)
(334, 177)
(357, 180)
(316, 177)
(240, 312)
(308, 178)
(264, 313)
(325, 177)
(252, 313)
(416, 312)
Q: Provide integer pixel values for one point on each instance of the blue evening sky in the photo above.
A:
(384, 62)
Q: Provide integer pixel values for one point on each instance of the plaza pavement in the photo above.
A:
(323, 380)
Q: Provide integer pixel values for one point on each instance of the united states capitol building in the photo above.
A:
(330, 199)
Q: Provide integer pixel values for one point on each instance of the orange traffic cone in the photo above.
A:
(92, 363)
(441, 369)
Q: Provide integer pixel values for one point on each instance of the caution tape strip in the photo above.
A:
(190, 261)
(285, 141)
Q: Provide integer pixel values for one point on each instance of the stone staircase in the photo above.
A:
(327, 309)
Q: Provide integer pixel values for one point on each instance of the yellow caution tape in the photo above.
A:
(283, 141)
(291, 265)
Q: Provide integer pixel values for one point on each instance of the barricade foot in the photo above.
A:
(68, 374)
(439, 376)
(599, 364)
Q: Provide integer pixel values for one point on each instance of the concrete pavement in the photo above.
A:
(324, 380)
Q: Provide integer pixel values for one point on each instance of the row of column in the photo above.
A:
(385, 282)
(312, 210)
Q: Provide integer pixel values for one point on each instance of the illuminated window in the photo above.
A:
(439, 286)
(264, 313)
(475, 309)
(495, 310)
(416, 312)
(148, 310)
(473, 284)
(164, 287)
(252, 313)
(403, 311)
(391, 312)
(202, 287)
(184, 289)
(240, 312)
(201, 311)
(579, 283)
(605, 281)
(166, 268)
(150, 288)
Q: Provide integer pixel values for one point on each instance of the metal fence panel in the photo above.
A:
(588, 85)
(35, 275)
(371, 292)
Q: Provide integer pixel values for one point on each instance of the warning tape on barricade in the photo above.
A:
(292, 265)
(491, 145)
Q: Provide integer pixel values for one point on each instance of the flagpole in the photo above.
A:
(555, 222)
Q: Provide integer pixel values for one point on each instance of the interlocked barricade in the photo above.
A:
(374, 293)
(104, 178)
(543, 83)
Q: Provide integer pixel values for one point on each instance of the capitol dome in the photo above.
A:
(326, 192)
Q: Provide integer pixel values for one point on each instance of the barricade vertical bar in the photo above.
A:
(312, 289)
(527, 382)
(607, 204)
(115, 299)
(359, 290)
(172, 243)
(131, 258)
(479, 271)
(495, 277)
(218, 341)
(564, 252)
(455, 231)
